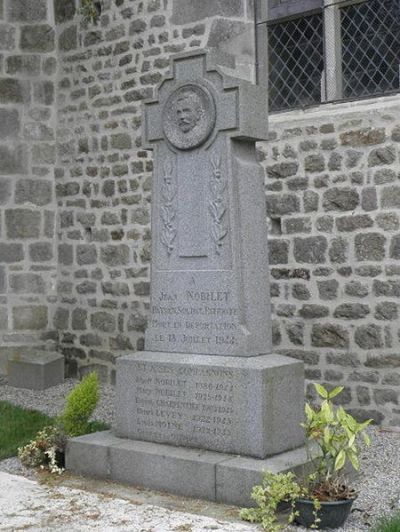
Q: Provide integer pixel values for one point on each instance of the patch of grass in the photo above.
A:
(388, 523)
(18, 427)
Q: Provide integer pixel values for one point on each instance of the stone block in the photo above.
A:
(363, 137)
(65, 254)
(370, 246)
(35, 370)
(11, 252)
(329, 335)
(115, 255)
(64, 10)
(314, 163)
(68, 39)
(13, 160)
(26, 65)
(23, 223)
(278, 251)
(369, 336)
(235, 478)
(41, 251)
(43, 153)
(27, 11)
(36, 191)
(40, 38)
(340, 199)
(193, 473)
(9, 123)
(226, 404)
(90, 454)
(351, 311)
(3, 319)
(279, 205)
(14, 91)
(382, 156)
(311, 250)
(390, 197)
(5, 191)
(43, 92)
(27, 283)
(30, 317)
(103, 321)
(86, 254)
(7, 37)
(165, 468)
(184, 12)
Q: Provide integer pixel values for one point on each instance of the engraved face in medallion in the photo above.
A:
(189, 116)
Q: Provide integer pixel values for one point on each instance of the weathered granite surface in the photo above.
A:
(251, 407)
(35, 370)
(209, 277)
(191, 472)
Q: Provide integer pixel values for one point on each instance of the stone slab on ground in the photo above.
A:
(28, 505)
(218, 477)
(248, 406)
(35, 370)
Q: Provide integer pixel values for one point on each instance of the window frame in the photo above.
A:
(331, 76)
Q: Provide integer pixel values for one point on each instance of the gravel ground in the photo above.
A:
(378, 485)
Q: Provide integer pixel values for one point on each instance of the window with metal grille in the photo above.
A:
(295, 62)
(370, 47)
(343, 49)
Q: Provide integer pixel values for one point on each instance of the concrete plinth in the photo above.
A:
(35, 370)
(196, 473)
(247, 406)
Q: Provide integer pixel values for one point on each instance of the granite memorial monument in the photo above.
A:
(207, 388)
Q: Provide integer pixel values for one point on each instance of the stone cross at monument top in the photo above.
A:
(209, 278)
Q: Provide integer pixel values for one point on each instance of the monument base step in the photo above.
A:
(196, 473)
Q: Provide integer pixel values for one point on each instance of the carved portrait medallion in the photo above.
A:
(188, 116)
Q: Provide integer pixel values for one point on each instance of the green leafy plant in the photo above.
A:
(275, 489)
(332, 439)
(335, 435)
(80, 404)
(45, 450)
(90, 11)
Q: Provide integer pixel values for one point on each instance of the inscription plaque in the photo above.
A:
(226, 404)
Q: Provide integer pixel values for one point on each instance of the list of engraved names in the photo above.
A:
(196, 401)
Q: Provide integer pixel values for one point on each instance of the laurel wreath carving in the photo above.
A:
(168, 208)
(218, 203)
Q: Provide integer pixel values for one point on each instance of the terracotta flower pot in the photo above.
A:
(332, 514)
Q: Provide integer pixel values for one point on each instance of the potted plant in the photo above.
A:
(322, 499)
(334, 435)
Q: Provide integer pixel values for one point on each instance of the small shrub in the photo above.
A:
(45, 450)
(276, 488)
(80, 404)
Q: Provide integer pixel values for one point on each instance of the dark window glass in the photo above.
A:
(295, 62)
(370, 47)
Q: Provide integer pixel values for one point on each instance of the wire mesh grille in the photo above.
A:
(295, 62)
(370, 47)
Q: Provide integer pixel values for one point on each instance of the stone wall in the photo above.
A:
(27, 155)
(103, 176)
(333, 196)
(331, 179)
